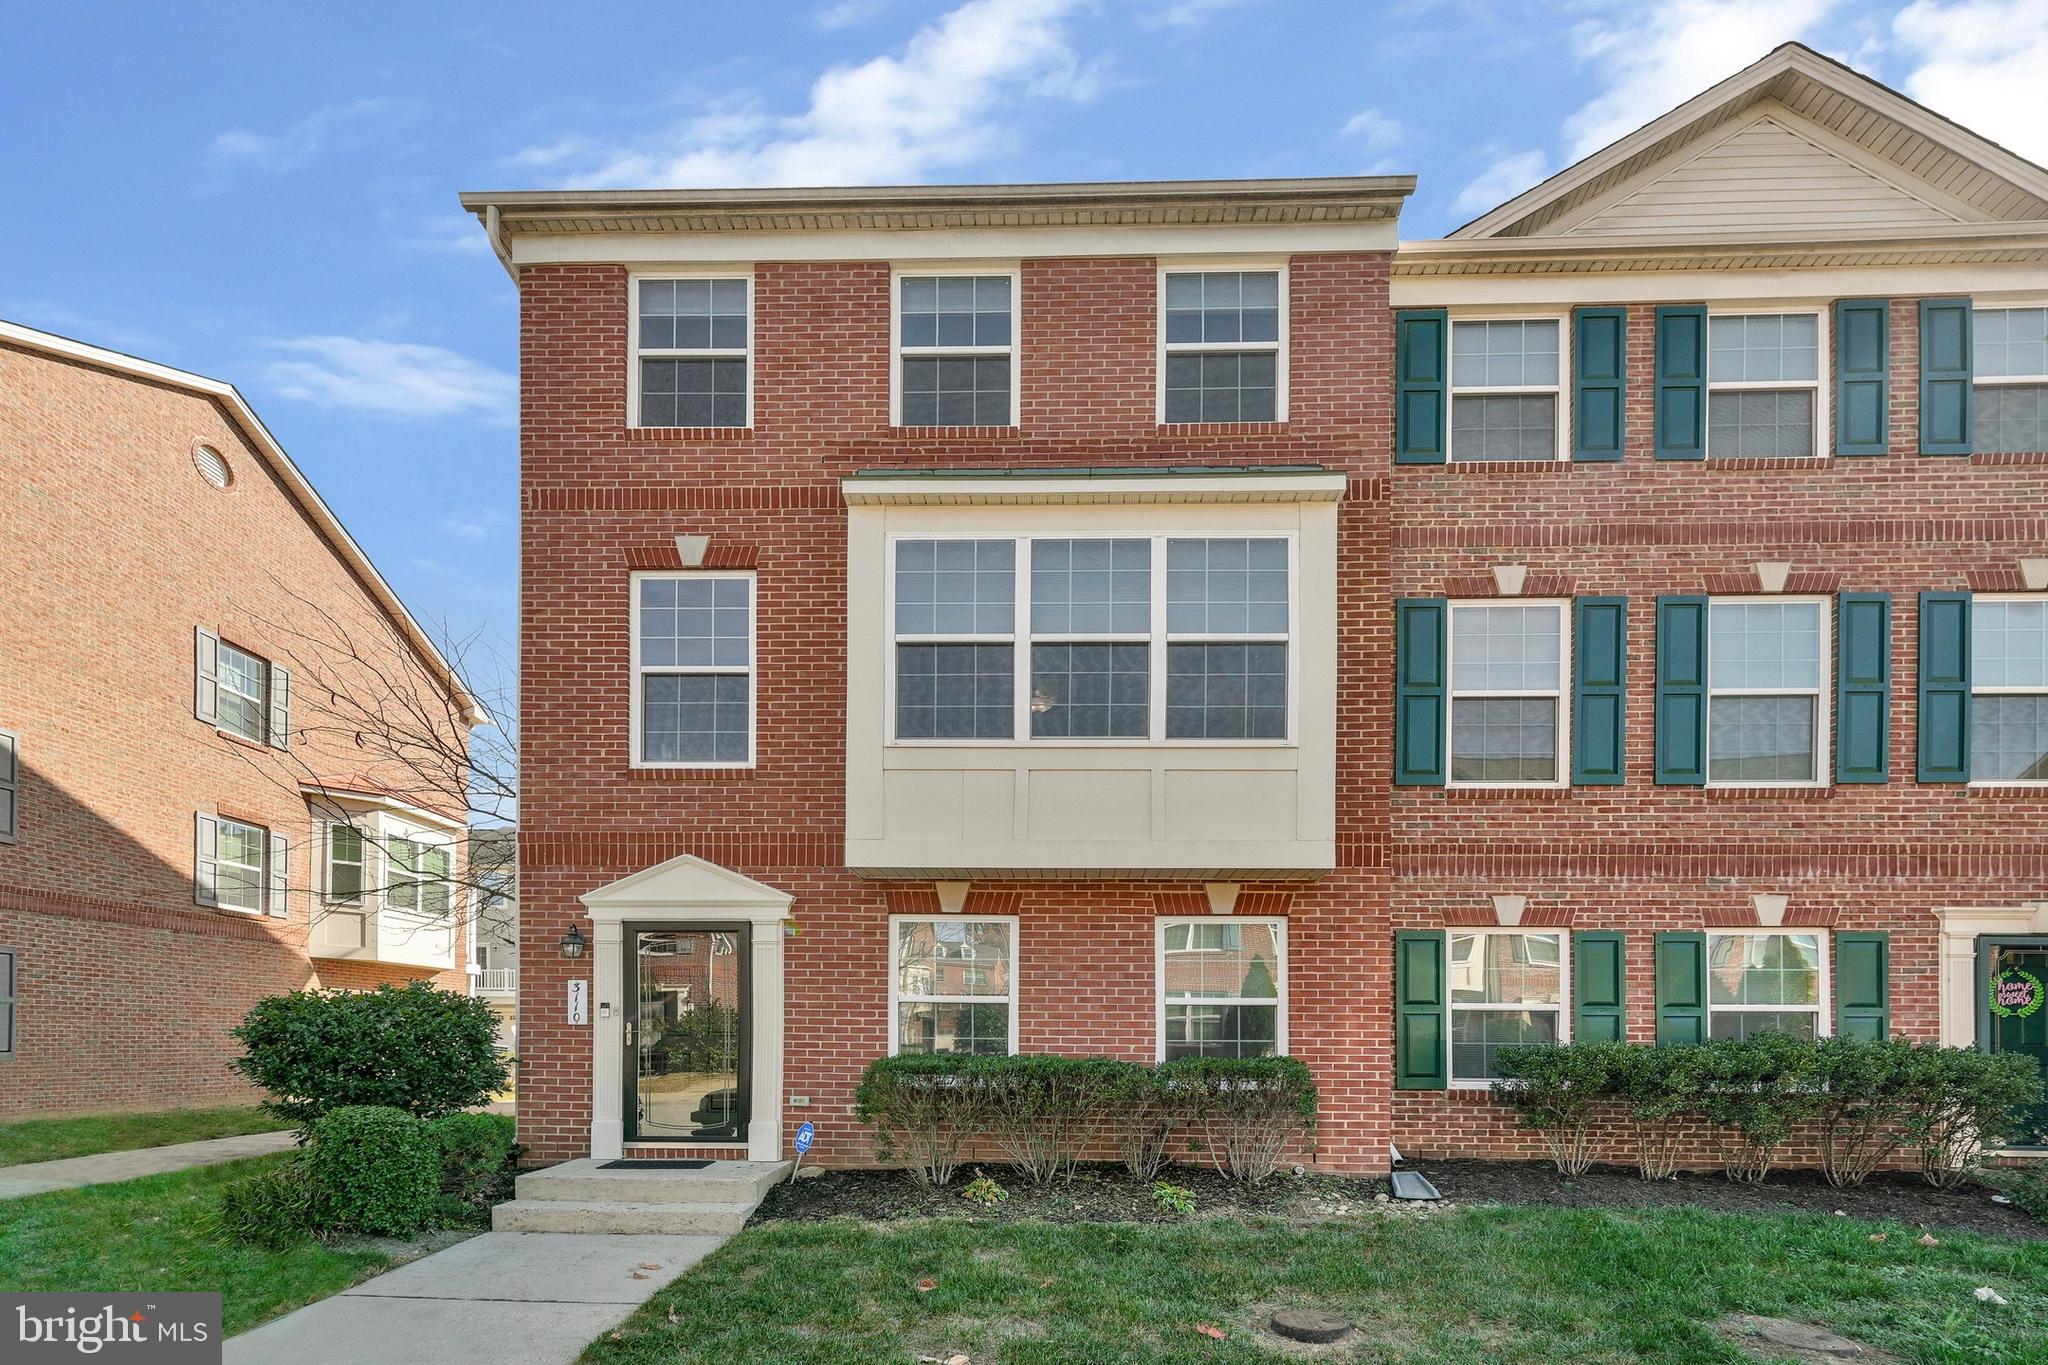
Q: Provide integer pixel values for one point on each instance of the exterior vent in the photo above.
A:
(212, 466)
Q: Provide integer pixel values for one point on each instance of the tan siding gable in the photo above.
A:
(1763, 177)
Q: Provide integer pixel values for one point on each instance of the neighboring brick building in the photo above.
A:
(166, 570)
(966, 598)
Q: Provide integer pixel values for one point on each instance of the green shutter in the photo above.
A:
(1599, 986)
(1681, 721)
(1599, 382)
(1863, 687)
(1420, 1012)
(1863, 987)
(1944, 718)
(1863, 376)
(1682, 382)
(1419, 349)
(1945, 376)
(1681, 988)
(1419, 700)
(1599, 677)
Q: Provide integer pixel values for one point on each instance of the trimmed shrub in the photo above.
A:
(272, 1209)
(477, 1153)
(1659, 1088)
(374, 1170)
(1559, 1090)
(1042, 1109)
(924, 1109)
(426, 1052)
(1146, 1114)
(1863, 1106)
(1965, 1102)
(1251, 1111)
(1757, 1090)
(2027, 1187)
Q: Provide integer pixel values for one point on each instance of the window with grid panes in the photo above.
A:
(694, 659)
(2009, 399)
(692, 337)
(952, 985)
(1505, 385)
(1507, 990)
(1765, 681)
(956, 655)
(1763, 384)
(955, 339)
(1222, 987)
(1507, 691)
(1222, 346)
(1764, 983)
(2009, 689)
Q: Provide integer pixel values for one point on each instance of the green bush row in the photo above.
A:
(1043, 1111)
(1864, 1101)
(376, 1171)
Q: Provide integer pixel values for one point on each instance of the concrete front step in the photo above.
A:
(722, 1182)
(621, 1216)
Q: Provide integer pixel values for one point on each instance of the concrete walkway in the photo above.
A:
(505, 1298)
(40, 1177)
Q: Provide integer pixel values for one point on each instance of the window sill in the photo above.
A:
(1821, 793)
(1221, 428)
(1469, 1092)
(233, 738)
(1009, 433)
(688, 774)
(687, 435)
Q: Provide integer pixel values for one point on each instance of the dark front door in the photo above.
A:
(2013, 1012)
(687, 1053)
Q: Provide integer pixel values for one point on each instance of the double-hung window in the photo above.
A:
(690, 363)
(1091, 639)
(952, 985)
(2009, 689)
(1763, 384)
(1505, 389)
(1228, 624)
(10, 787)
(1766, 681)
(2009, 408)
(244, 692)
(1222, 987)
(241, 869)
(7, 998)
(1508, 687)
(1766, 983)
(417, 876)
(956, 350)
(693, 667)
(1507, 990)
(347, 864)
(1223, 354)
(956, 653)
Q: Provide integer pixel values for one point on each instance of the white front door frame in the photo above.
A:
(685, 888)
(1961, 927)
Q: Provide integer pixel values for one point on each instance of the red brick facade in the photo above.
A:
(115, 549)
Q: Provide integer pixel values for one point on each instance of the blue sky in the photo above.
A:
(266, 193)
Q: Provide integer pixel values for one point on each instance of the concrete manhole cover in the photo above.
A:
(1305, 1324)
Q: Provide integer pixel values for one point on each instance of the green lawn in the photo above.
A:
(51, 1139)
(1496, 1283)
(155, 1234)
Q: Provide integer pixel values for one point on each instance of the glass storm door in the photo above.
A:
(2013, 990)
(687, 1055)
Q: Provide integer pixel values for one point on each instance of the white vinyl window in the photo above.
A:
(956, 350)
(347, 864)
(1222, 987)
(1147, 638)
(952, 985)
(417, 874)
(2009, 399)
(1767, 678)
(1508, 988)
(1507, 389)
(1222, 345)
(2009, 689)
(244, 692)
(10, 787)
(693, 670)
(1764, 373)
(691, 344)
(1509, 667)
(1767, 982)
(7, 1003)
(241, 877)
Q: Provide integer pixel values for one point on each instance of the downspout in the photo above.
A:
(494, 230)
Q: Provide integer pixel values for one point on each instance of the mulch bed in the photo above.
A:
(1104, 1194)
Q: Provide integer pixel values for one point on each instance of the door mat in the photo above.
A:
(650, 1165)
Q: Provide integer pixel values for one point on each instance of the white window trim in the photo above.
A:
(1452, 1007)
(637, 671)
(1823, 695)
(1280, 348)
(1823, 1008)
(10, 1000)
(10, 782)
(897, 998)
(898, 351)
(367, 841)
(1563, 695)
(1452, 391)
(2002, 690)
(261, 701)
(1281, 975)
(634, 355)
(1021, 639)
(1821, 384)
(423, 839)
(2002, 306)
(261, 866)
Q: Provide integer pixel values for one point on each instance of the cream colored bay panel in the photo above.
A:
(1091, 805)
(1230, 804)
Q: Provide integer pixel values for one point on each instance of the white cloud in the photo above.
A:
(1507, 177)
(1185, 13)
(296, 144)
(391, 379)
(947, 98)
(1658, 56)
(1373, 128)
(847, 14)
(1983, 63)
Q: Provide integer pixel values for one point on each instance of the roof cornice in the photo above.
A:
(1962, 243)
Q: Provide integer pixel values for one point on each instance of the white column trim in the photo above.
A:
(1961, 926)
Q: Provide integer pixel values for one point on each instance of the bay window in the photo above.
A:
(1507, 989)
(952, 985)
(1222, 987)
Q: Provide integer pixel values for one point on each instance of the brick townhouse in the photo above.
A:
(1183, 618)
(181, 833)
